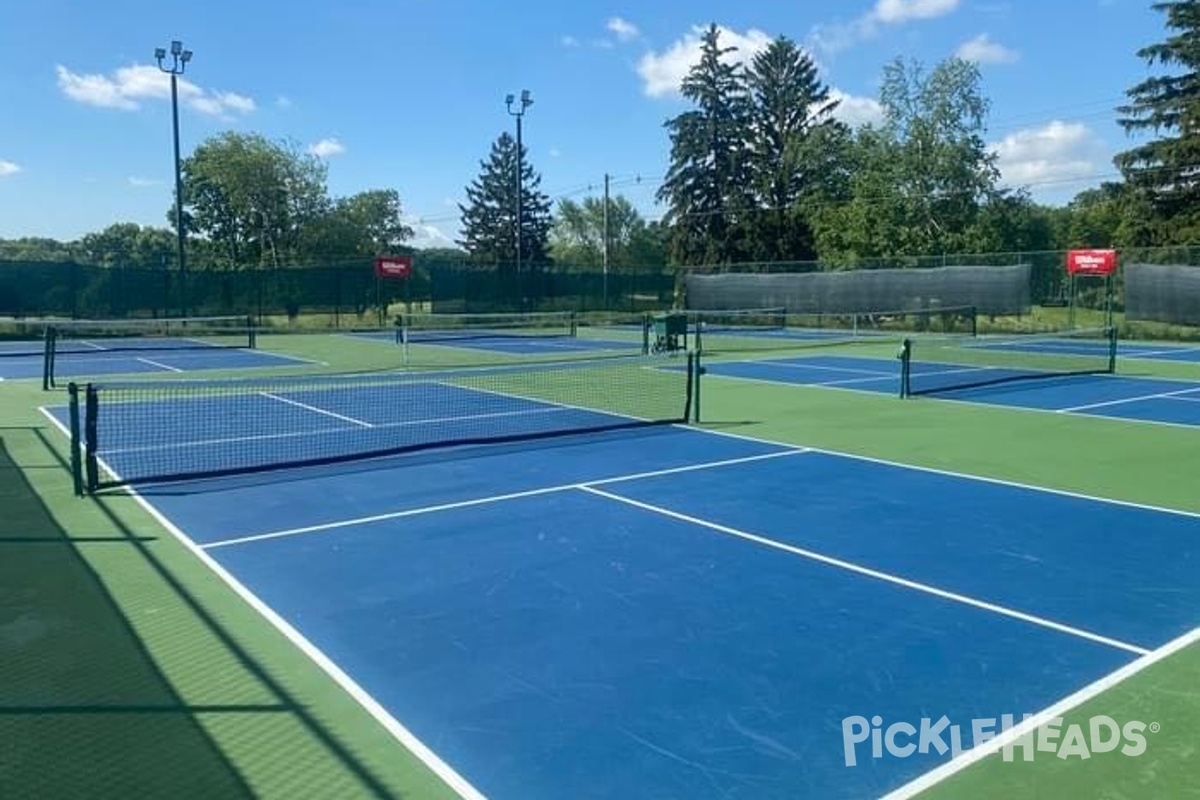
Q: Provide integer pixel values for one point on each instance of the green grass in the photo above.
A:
(128, 669)
(100, 607)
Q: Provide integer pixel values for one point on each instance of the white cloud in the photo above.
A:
(982, 50)
(426, 235)
(555, 152)
(839, 36)
(143, 183)
(8, 168)
(126, 87)
(663, 72)
(1055, 153)
(327, 148)
(893, 12)
(855, 110)
(283, 101)
(624, 30)
(568, 41)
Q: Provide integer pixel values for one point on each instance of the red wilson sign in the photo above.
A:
(393, 267)
(1092, 262)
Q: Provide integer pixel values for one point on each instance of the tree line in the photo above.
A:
(761, 169)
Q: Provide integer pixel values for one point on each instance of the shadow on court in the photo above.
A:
(85, 710)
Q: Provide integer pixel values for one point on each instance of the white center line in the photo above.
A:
(158, 364)
(317, 410)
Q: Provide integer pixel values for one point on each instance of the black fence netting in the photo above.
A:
(989, 289)
(347, 293)
(1163, 293)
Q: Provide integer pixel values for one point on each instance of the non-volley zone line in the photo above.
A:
(596, 488)
(498, 498)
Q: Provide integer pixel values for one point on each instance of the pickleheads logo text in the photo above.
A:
(1099, 734)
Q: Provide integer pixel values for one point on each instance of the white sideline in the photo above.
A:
(403, 735)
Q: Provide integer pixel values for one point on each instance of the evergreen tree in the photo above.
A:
(489, 230)
(706, 186)
(790, 126)
(1166, 170)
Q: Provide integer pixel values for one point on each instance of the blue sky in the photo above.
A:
(409, 94)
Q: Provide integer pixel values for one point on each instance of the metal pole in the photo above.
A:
(604, 244)
(524, 104)
(519, 209)
(180, 234)
(179, 62)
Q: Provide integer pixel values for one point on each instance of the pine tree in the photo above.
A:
(1166, 170)
(706, 186)
(489, 232)
(790, 125)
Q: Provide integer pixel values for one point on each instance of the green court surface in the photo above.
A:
(129, 668)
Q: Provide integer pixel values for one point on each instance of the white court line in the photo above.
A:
(1027, 727)
(1124, 400)
(499, 498)
(317, 410)
(952, 474)
(321, 431)
(1164, 352)
(872, 573)
(158, 364)
(407, 739)
(774, 363)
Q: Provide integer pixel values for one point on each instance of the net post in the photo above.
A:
(1111, 333)
(76, 443)
(573, 323)
(699, 343)
(91, 467)
(973, 320)
(906, 368)
(48, 350)
(252, 337)
(694, 371)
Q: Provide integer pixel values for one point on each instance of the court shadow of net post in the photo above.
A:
(85, 712)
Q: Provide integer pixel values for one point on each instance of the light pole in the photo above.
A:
(179, 62)
(526, 102)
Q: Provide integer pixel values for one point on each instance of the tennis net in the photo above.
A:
(741, 332)
(433, 327)
(939, 364)
(129, 433)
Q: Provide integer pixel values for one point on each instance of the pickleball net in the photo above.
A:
(752, 330)
(84, 338)
(435, 327)
(938, 365)
(145, 432)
